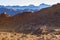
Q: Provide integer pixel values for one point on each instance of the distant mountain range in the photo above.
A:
(13, 10)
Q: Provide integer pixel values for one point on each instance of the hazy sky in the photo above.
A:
(27, 2)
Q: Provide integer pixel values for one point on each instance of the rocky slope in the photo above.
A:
(28, 22)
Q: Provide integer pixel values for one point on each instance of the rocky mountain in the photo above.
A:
(13, 10)
(28, 22)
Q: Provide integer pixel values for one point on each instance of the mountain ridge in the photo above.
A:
(13, 10)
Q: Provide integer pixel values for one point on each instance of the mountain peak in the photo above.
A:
(31, 5)
(57, 4)
(43, 4)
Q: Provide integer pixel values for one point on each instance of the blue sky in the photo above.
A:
(27, 2)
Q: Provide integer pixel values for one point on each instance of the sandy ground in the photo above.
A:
(21, 36)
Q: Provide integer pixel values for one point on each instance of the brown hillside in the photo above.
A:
(31, 22)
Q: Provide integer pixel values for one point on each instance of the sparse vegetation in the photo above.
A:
(54, 35)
